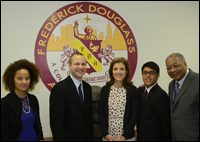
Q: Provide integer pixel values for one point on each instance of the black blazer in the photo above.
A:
(154, 119)
(68, 119)
(130, 115)
(11, 117)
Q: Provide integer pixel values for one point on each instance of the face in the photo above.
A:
(22, 80)
(119, 71)
(88, 29)
(176, 69)
(149, 76)
(77, 66)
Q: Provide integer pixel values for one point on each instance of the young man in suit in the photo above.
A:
(184, 99)
(154, 116)
(71, 105)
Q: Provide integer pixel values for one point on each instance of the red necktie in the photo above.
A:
(144, 96)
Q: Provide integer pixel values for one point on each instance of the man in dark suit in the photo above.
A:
(154, 117)
(184, 99)
(71, 106)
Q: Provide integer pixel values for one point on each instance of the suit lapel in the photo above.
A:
(184, 87)
(74, 92)
(171, 88)
(85, 91)
(141, 96)
(142, 109)
(149, 96)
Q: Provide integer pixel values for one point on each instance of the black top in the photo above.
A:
(131, 111)
(11, 116)
(154, 118)
(69, 119)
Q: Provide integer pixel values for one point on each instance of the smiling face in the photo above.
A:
(149, 76)
(119, 72)
(176, 69)
(77, 66)
(21, 81)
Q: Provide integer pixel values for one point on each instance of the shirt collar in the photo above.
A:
(180, 82)
(148, 89)
(76, 82)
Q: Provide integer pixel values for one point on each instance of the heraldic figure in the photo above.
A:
(88, 30)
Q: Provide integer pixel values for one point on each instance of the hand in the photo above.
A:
(110, 138)
(120, 139)
(76, 23)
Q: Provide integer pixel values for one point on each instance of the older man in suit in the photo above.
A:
(154, 116)
(71, 104)
(184, 99)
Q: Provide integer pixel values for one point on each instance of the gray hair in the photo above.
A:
(178, 55)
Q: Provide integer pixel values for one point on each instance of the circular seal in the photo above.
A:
(95, 30)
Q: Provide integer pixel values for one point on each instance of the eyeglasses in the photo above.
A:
(174, 66)
(151, 73)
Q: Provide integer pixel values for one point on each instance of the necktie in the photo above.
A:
(176, 89)
(80, 93)
(144, 96)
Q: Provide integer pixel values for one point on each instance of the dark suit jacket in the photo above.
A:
(185, 109)
(11, 116)
(68, 119)
(130, 115)
(154, 117)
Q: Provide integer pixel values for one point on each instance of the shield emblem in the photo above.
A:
(90, 49)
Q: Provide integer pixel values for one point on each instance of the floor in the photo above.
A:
(48, 139)
(51, 138)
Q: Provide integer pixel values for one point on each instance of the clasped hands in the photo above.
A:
(111, 138)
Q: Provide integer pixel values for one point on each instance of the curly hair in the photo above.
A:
(126, 84)
(9, 74)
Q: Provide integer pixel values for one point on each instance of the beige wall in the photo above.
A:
(160, 28)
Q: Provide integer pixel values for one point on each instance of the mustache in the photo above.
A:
(173, 73)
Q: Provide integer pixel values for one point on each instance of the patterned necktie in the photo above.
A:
(144, 96)
(176, 90)
(80, 93)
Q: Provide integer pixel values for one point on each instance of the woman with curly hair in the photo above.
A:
(119, 104)
(20, 119)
